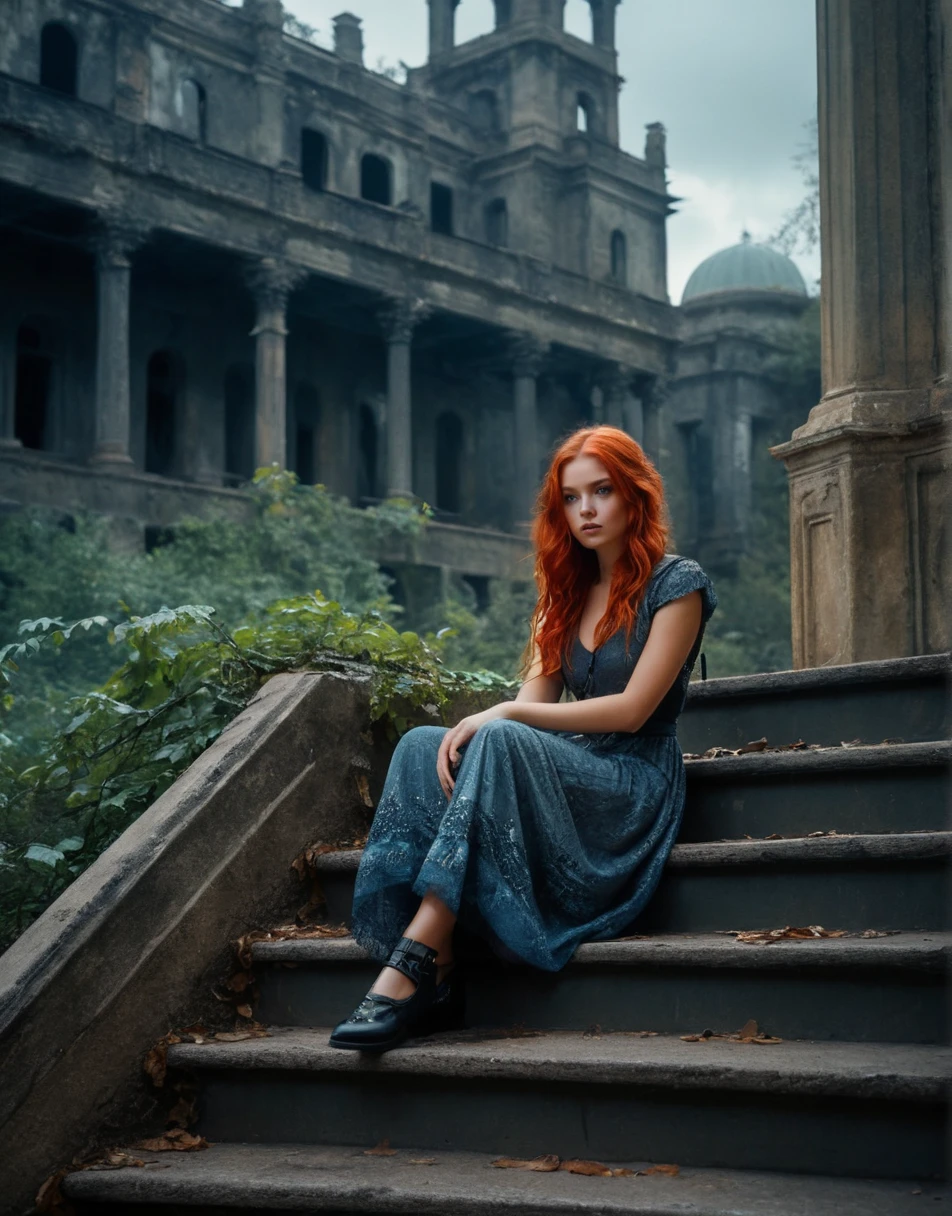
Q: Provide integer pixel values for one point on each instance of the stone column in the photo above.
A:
(528, 354)
(8, 386)
(615, 383)
(269, 73)
(871, 469)
(652, 402)
(398, 319)
(442, 22)
(603, 23)
(133, 68)
(271, 282)
(114, 247)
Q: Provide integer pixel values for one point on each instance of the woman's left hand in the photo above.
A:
(456, 737)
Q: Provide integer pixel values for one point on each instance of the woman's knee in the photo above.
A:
(422, 737)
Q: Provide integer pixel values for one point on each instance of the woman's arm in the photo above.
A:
(673, 632)
(536, 688)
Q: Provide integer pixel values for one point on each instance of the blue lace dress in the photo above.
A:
(550, 838)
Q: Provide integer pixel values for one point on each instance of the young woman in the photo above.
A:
(553, 826)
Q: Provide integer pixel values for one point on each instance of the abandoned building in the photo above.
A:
(225, 246)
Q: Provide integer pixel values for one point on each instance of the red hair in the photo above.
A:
(565, 571)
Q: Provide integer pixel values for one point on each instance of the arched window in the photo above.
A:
(307, 434)
(240, 422)
(313, 159)
(367, 485)
(484, 112)
(449, 462)
(497, 222)
(619, 255)
(375, 180)
(59, 58)
(441, 208)
(164, 383)
(585, 114)
(193, 110)
(34, 375)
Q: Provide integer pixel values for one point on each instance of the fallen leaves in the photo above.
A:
(175, 1140)
(282, 933)
(748, 1033)
(761, 745)
(155, 1062)
(549, 1163)
(789, 933)
(383, 1149)
(542, 1165)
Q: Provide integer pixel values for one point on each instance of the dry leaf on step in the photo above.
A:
(382, 1149)
(594, 1169)
(176, 1140)
(541, 1165)
(669, 1171)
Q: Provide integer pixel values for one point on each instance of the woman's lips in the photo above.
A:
(591, 527)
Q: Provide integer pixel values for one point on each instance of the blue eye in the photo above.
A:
(607, 489)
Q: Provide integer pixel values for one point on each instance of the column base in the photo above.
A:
(8, 444)
(111, 459)
(871, 575)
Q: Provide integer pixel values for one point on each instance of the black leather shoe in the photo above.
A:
(380, 1022)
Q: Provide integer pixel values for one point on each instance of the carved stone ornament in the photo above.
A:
(271, 281)
(614, 379)
(400, 315)
(528, 353)
(116, 238)
(657, 392)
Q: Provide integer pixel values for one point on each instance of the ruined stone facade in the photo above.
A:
(224, 246)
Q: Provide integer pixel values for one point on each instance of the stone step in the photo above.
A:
(241, 1179)
(888, 989)
(861, 1110)
(906, 699)
(888, 881)
(892, 788)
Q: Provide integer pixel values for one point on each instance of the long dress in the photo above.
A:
(550, 838)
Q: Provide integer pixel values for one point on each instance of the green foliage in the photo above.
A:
(77, 767)
(470, 641)
(183, 679)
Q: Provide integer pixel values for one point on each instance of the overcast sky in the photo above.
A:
(733, 81)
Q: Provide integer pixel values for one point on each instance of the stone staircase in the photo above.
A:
(846, 1115)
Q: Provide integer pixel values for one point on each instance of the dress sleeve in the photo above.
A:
(680, 577)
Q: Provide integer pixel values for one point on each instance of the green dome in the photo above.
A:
(745, 267)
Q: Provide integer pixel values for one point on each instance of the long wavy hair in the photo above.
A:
(564, 570)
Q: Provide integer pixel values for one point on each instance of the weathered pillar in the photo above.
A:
(442, 23)
(271, 282)
(269, 72)
(349, 38)
(528, 354)
(8, 387)
(615, 382)
(398, 319)
(114, 246)
(654, 395)
(133, 66)
(871, 469)
(603, 23)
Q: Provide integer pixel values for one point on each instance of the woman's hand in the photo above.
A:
(456, 737)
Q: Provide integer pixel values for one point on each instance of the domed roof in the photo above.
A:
(745, 267)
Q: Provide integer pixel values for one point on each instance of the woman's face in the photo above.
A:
(597, 514)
